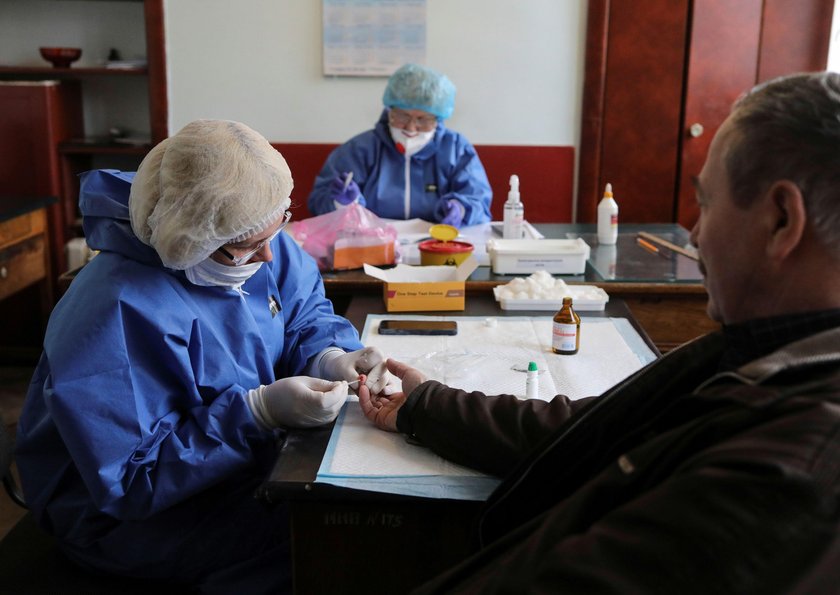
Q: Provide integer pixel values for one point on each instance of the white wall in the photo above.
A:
(834, 42)
(517, 66)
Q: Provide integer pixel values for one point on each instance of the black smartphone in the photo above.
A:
(418, 327)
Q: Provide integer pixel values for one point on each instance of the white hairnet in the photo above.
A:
(213, 182)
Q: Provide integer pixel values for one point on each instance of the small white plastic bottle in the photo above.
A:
(514, 212)
(532, 381)
(607, 218)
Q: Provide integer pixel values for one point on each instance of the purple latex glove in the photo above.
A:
(342, 192)
(450, 212)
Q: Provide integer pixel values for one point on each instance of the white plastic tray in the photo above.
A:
(555, 256)
(587, 298)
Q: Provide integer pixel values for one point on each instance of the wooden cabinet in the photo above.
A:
(23, 254)
(26, 291)
(661, 76)
(37, 116)
(68, 150)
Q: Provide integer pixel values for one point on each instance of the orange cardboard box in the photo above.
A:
(420, 288)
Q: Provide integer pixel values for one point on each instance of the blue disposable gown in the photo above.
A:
(136, 445)
(446, 168)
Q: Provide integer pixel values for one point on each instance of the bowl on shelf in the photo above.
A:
(61, 57)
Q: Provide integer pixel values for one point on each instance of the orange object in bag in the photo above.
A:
(346, 238)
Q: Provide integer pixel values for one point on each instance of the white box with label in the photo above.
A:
(558, 257)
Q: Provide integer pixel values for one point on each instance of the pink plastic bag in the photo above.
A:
(346, 238)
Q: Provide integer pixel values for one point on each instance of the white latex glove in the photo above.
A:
(347, 366)
(297, 402)
(381, 381)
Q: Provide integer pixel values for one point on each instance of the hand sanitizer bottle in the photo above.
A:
(607, 218)
(514, 212)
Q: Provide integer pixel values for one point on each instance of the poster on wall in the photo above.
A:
(372, 37)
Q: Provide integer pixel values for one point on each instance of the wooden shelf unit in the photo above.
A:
(100, 146)
(42, 72)
(76, 153)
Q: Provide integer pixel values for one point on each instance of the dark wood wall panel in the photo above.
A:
(592, 117)
(642, 107)
(655, 67)
(35, 118)
(782, 52)
(156, 56)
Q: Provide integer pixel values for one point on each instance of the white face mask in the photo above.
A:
(210, 273)
(411, 142)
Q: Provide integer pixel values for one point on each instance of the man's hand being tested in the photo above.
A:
(369, 361)
(382, 408)
(297, 402)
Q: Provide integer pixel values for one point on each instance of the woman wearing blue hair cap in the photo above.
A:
(410, 165)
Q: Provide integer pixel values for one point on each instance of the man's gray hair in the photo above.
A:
(789, 129)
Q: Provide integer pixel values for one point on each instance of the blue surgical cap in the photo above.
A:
(416, 87)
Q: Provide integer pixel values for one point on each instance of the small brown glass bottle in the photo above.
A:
(565, 332)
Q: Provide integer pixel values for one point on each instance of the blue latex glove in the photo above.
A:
(342, 195)
(450, 212)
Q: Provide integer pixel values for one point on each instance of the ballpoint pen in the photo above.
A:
(666, 254)
(689, 253)
(347, 179)
(647, 245)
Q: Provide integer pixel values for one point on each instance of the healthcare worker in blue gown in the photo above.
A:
(175, 361)
(410, 165)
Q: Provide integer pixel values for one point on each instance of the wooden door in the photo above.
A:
(656, 67)
(633, 87)
(37, 116)
(723, 57)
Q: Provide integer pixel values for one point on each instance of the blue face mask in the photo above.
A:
(210, 273)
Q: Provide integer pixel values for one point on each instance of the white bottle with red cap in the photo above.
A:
(607, 218)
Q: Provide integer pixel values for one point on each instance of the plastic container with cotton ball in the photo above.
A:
(514, 212)
(607, 218)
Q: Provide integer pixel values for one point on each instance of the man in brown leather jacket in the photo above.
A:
(715, 469)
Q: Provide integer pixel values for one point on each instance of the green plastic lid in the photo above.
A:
(532, 366)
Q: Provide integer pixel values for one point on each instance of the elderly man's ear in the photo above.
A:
(786, 219)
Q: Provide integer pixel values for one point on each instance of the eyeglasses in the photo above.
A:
(238, 260)
(402, 119)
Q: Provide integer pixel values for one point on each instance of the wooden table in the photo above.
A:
(338, 533)
(24, 261)
(664, 291)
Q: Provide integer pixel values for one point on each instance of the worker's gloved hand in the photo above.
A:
(450, 212)
(342, 195)
(297, 402)
(336, 365)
